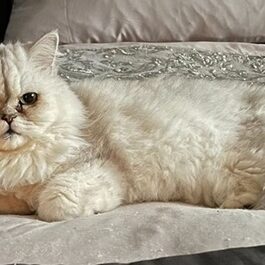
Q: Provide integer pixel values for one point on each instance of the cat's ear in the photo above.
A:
(43, 52)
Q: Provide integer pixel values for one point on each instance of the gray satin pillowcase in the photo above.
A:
(87, 21)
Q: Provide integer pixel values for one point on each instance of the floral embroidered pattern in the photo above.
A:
(142, 61)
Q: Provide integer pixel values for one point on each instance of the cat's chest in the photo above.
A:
(23, 171)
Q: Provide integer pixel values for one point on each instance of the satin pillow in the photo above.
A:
(86, 21)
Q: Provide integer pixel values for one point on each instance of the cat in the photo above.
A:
(70, 151)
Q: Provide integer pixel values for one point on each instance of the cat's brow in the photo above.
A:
(2, 77)
(9, 72)
(3, 91)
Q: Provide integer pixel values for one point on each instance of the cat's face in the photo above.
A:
(35, 105)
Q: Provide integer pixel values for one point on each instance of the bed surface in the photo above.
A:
(151, 230)
(130, 233)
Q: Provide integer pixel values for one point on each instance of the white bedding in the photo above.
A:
(128, 234)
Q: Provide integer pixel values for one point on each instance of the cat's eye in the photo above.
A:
(28, 98)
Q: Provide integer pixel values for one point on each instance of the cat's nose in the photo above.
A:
(8, 117)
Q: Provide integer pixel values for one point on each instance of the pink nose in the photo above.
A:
(8, 117)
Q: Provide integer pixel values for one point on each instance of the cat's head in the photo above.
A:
(36, 106)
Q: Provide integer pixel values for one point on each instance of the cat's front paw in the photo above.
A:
(59, 209)
(75, 194)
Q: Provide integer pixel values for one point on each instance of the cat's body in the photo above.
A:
(117, 142)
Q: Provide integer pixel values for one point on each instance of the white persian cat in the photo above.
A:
(69, 152)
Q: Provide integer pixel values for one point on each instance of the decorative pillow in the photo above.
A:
(86, 21)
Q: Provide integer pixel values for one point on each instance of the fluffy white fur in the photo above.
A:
(100, 144)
